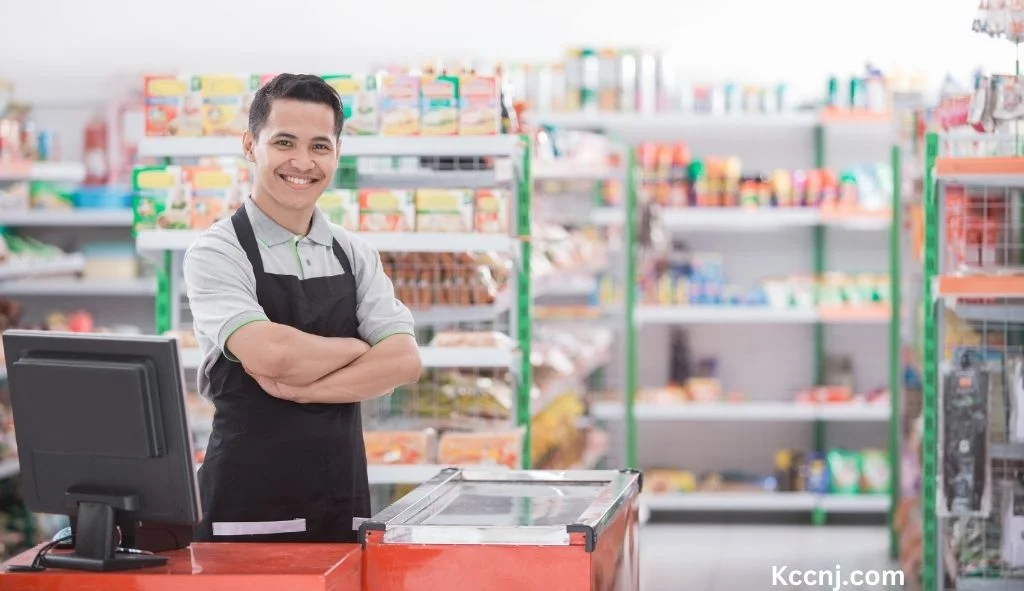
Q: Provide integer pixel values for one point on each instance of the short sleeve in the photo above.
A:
(221, 287)
(379, 312)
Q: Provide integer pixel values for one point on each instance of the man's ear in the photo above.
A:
(248, 144)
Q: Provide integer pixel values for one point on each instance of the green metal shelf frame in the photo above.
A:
(895, 345)
(930, 576)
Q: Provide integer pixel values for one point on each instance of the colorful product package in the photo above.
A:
(226, 102)
(439, 106)
(817, 475)
(161, 198)
(173, 106)
(399, 447)
(444, 210)
(400, 105)
(488, 449)
(875, 476)
(341, 207)
(359, 102)
(382, 210)
(479, 105)
(492, 211)
(213, 188)
(844, 470)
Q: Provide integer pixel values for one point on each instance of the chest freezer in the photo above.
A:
(508, 530)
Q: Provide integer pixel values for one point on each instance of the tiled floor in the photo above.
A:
(734, 558)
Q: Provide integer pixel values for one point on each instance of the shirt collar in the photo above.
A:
(272, 234)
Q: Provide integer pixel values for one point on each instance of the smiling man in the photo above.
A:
(298, 324)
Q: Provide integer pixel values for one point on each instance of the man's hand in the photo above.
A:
(280, 390)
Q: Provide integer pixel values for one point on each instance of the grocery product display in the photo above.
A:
(672, 177)
(834, 472)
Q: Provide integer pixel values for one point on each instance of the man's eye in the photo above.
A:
(321, 147)
(283, 143)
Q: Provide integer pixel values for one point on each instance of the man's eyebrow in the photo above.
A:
(322, 138)
(286, 135)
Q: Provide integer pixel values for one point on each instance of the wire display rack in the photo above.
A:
(973, 483)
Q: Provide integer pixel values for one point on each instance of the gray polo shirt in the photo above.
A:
(222, 286)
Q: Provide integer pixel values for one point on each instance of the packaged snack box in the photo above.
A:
(161, 198)
(400, 105)
(440, 105)
(212, 189)
(875, 477)
(341, 207)
(494, 449)
(480, 105)
(386, 211)
(226, 102)
(492, 211)
(399, 447)
(173, 106)
(444, 210)
(844, 469)
(359, 100)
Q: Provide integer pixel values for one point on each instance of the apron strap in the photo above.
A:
(339, 252)
(247, 239)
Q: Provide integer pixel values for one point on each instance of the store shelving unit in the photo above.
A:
(974, 257)
(85, 218)
(803, 139)
(67, 172)
(79, 287)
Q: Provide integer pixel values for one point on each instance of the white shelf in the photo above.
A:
(739, 219)
(564, 284)
(30, 267)
(467, 314)
(70, 172)
(698, 314)
(427, 178)
(745, 411)
(567, 170)
(465, 357)
(165, 240)
(608, 216)
(80, 287)
(9, 468)
(742, 219)
(705, 314)
(495, 145)
(995, 181)
(624, 121)
(436, 242)
(989, 584)
(767, 501)
(92, 218)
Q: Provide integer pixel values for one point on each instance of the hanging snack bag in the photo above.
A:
(161, 199)
(383, 210)
(479, 105)
(444, 210)
(1008, 97)
(224, 97)
(439, 106)
(212, 189)
(173, 107)
(358, 102)
(844, 470)
(400, 105)
(875, 476)
(341, 207)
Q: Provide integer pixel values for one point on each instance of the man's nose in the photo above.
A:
(302, 164)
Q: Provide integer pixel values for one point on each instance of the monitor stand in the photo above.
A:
(96, 539)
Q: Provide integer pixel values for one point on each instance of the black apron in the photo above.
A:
(278, 471)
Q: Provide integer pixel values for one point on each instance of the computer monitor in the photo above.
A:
(102, 437)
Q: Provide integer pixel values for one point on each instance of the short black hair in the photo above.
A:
(300, 87)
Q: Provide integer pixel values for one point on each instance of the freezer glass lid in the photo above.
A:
(505, 507)
(509, 504)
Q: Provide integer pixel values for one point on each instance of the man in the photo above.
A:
(297, 323)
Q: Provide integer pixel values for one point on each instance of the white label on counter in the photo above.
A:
(254, 528)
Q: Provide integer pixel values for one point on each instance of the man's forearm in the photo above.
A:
(308, 358)
(393, 362)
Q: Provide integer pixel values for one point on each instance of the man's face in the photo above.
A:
(295, 154)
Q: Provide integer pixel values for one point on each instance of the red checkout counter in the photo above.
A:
(463, 529)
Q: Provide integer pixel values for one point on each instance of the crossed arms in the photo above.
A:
(304, 368)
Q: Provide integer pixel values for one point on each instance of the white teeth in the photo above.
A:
(297, 181)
